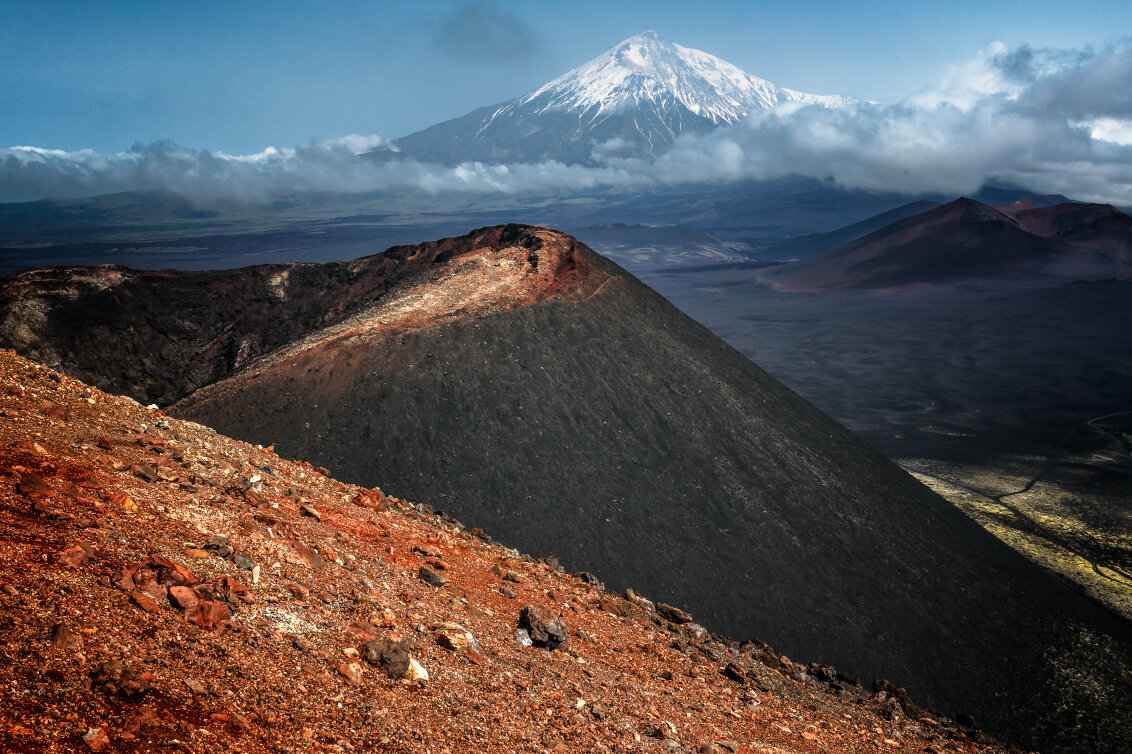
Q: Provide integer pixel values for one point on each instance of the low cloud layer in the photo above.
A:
(1052, 121)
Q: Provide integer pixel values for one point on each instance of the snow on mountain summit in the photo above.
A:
(650, 70)
(634, 100)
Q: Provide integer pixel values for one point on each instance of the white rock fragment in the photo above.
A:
(415, 672)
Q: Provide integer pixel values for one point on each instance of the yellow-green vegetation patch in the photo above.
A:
(1058, 521)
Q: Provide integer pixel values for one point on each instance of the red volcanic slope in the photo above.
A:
(966, 240)
(166, 588)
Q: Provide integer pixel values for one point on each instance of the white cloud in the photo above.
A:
(1114, 130)
(1049, 120)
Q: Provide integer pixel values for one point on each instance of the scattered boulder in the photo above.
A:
(391, 656)
(208, 614)
(33, 486)
(183, 597)
(431, 577)
(195, 687)
(545, 629)
(115, 678)
(351, 671)
(416, 672)
(609, 606)
(590, 579)
(219, 545)
(96, 739)
(672, 614)
(639, 601)
(145, 472)
(144, 601)
(455, 637)
(63, 639)
(734, 672)
(695, 630)
(885, 692)
(161, 570)
(74, 557)
(306, 555)
(231, 590)
(158, 592)
(310, 512)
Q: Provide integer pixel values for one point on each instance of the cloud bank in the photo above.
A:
(1052, 121)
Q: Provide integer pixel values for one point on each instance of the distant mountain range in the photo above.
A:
(968, 240)
(632, 101)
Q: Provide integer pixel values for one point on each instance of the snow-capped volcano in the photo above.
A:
(633, 100)
(648, 71)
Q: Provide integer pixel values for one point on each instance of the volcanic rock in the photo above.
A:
(208, 614)
(544, 628)
(144, 601)
(63, 639)
(183, 597)
(674, 614)
(391, 656)
(116, 678)
(431, 577)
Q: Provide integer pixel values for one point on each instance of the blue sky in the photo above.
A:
(239, 76)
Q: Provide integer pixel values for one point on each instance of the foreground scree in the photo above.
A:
(165, 588)
(528, 386)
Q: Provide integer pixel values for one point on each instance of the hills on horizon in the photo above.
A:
(524, 384)
(967, 240)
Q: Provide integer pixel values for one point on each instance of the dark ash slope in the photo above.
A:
(601, 425)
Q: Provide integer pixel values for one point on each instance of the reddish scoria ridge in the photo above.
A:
(166, 588)
(124, 328)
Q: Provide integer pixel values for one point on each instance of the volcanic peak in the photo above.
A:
(634, 99)
(650, 70)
